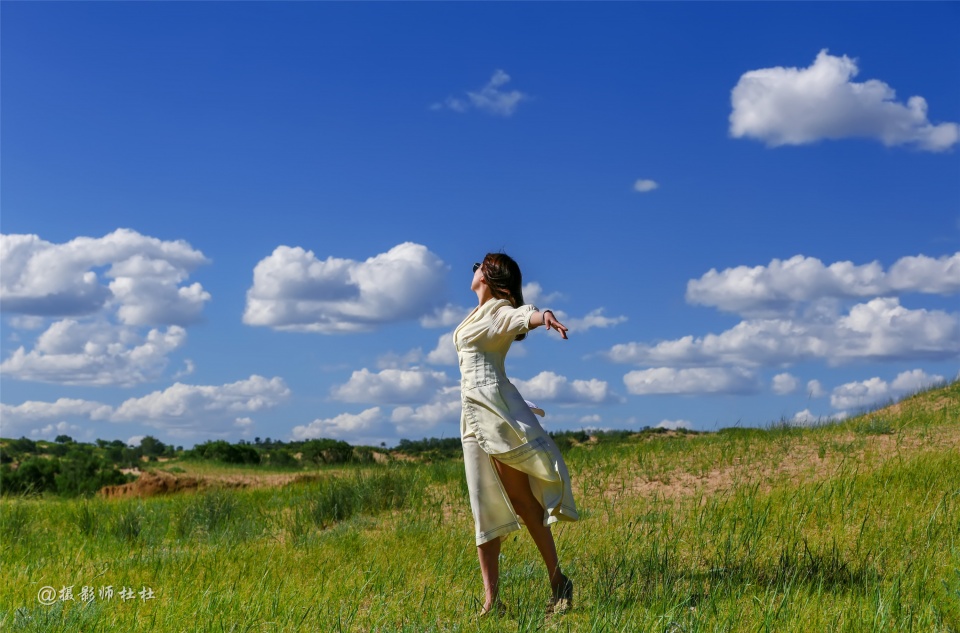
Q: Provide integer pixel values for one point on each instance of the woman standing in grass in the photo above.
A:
(515, 472)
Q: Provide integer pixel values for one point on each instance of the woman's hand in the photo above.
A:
(550, 321)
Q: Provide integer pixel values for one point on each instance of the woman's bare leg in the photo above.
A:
(517, 485)
(489, 555)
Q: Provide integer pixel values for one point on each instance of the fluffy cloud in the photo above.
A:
(418, 420)
(105, 340)
(806, 418)
(52, 430)
(643, 185)
(784, 384)
(533, 293)
(796, 106)
(182, 410)
(445, 353)
(492, 98)
(390, 386)
(593, 319)
(445, 316)
(694, 381)
(784, 284)
(293, 290)
(195, 410)
(673, 425)
(881, 329)
(347, 426)
(866, 393)
(44, 279)
(815, 389)
(550, 387)
(33, 410)
(94, 353)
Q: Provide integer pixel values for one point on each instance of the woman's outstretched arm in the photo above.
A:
(547, 319)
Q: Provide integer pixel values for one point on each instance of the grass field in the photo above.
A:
(852, 526)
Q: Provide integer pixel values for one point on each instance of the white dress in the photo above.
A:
(496, 422)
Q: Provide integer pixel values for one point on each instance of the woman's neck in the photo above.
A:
(484, 294)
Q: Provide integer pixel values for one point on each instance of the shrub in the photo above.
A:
(324, 451)
(35, 475)
(223, 451)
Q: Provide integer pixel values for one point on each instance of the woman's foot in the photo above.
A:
(497, 609)
(562, 599)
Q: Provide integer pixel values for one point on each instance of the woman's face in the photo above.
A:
(477, 278)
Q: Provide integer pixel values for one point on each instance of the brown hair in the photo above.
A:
(504, 279)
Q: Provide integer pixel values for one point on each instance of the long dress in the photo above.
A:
(497, 423)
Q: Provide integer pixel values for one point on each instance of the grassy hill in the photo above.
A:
(852, 526)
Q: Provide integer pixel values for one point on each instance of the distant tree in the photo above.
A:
(151, 446)
(35, 475)
(282, 457)
(326, 451)
(223, 451)
(58, 450)
(82, 474)
(63, 439)
(114, 454)
(22, 446)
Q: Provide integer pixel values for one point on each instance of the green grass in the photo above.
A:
(843, 527)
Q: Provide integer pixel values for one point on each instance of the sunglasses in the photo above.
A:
(476, 266)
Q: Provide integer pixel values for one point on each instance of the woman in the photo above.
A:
(515, 473)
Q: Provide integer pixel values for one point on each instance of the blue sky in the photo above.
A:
(240, 220)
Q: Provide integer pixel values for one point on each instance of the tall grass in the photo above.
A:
(843, 527)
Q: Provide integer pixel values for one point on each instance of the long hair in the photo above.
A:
(504, 280)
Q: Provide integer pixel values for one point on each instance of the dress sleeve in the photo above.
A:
(508, 320)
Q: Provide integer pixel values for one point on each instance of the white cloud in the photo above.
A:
(50, 431)
(866, 393)
(390, 386)
(344, 426)
(643, 185)
(243, 423)
(188, 368)
(806, 418)
(492, 98)
(693, 381)
(673, 425)
(445, 353)
(593, 419)
(17, 420)
(445, 407)
(183, 410)
(881, 329)
(815, 389)
(394, 360)
(113, 287)
(445, 316)
(21, 322)
(796, 106)
(194, 410)
(784, 384)
(33, 410)
(40, 278)
(550, 387)
(94, 353)
(534, 294)
(784, 284)
(594, 319)
(293, 290)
